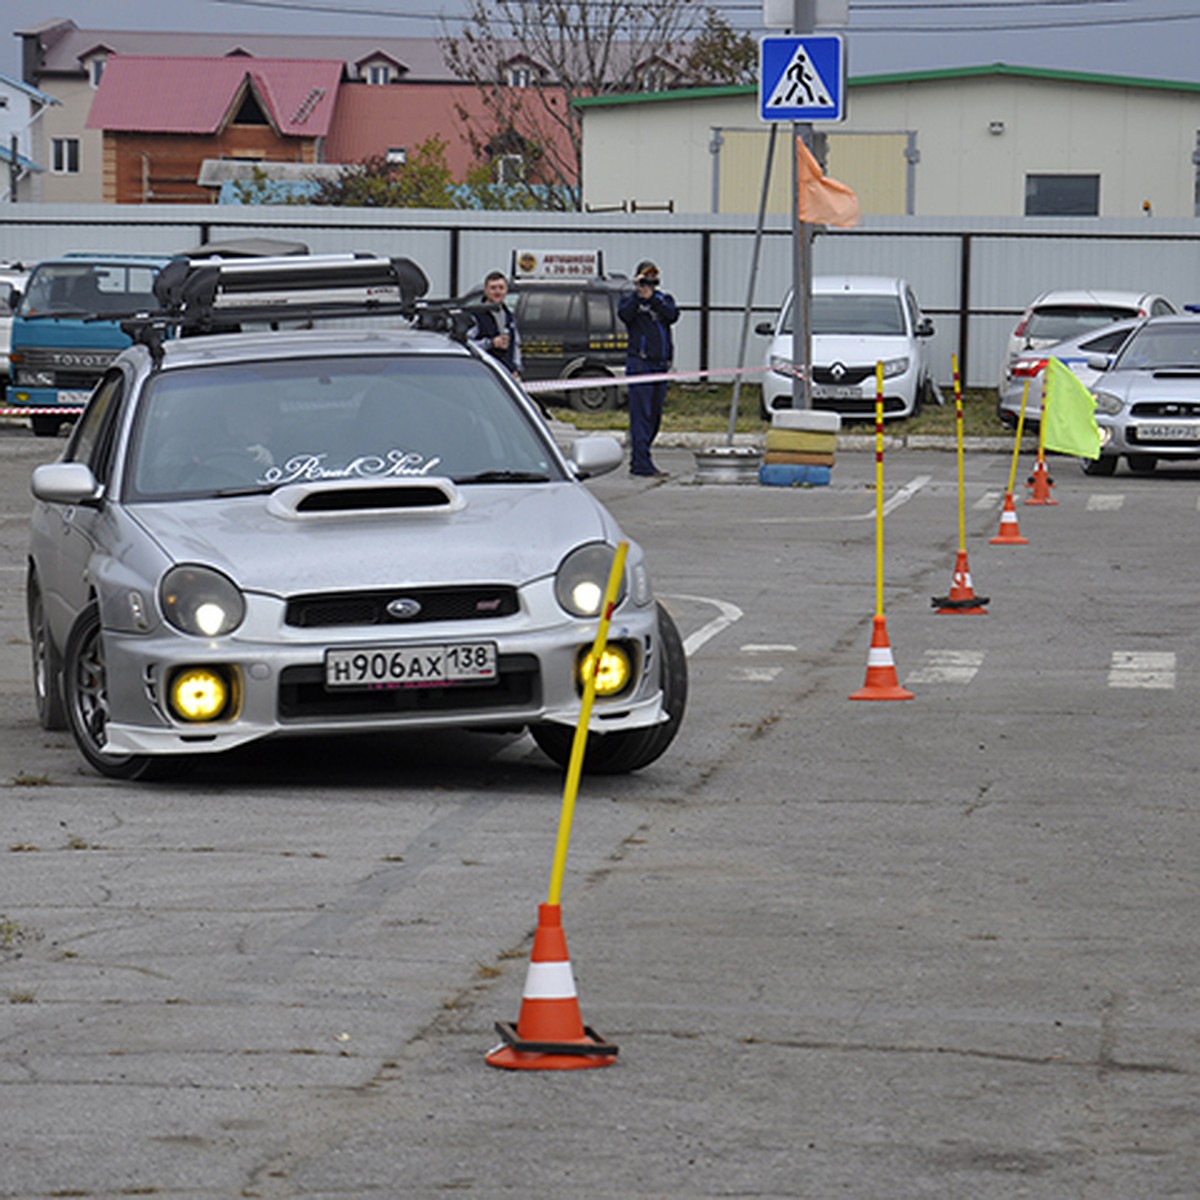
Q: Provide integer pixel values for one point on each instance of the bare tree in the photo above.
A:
(531, 59)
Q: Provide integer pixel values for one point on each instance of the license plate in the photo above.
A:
(1169, 431)
(411, 666)
(74, 399)
(834, 391)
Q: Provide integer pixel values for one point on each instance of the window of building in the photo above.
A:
(96, 70)
(510, 169)
(379, 73)
(654, 79)
(1062, 195)
(64, 156)
(519, 77)
(397, 155)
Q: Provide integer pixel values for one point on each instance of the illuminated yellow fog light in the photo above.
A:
(612, 671)
(200, 694)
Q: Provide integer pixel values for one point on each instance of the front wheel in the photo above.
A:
(85, 691)
(592, 399)
(1104, 465)
(631, 749)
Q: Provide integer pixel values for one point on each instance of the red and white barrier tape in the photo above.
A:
(540, 385)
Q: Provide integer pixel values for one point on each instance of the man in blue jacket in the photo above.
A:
(649, 314)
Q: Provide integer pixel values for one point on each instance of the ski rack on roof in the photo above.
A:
(217, 295)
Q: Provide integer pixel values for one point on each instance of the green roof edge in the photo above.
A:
(935, 73)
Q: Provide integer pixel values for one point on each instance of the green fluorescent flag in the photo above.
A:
(1068, 413)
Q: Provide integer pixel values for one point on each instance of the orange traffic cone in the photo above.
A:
(882, 683)
(1010, 533)
(962, 598)
(1041, 483)
(550, 1034)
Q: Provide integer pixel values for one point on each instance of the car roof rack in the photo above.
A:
(217, 295)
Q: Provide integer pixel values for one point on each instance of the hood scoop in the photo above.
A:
(365, 498)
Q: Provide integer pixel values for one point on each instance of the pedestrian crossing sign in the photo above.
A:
(802, 78)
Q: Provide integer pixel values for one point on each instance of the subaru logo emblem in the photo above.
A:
(838, 371)
(402, 608)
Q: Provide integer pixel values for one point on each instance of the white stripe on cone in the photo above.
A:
(880, 656)
(549, 981)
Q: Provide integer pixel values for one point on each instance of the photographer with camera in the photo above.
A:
(649, 314)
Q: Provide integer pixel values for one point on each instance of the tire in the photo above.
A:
(1142, 464)
(1104, 465)
(593, 399)
(45, 426)
(47, 662)
(631, 749)
(85, 693)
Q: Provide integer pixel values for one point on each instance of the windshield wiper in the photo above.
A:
(504, 477)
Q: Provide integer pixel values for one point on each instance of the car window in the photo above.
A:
(1172, 345)
(212, 429)
(550, 308)
(861, 314)
(599, 313)
(1162, 308)
(1058, 322)
(91, 441)
(1105, 343)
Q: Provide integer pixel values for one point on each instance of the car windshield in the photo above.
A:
(1157, 347)
(89, 288)
(246, 427)
(1056, 323)
(855, 313)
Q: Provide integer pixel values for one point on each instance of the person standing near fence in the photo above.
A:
(496, 329)
(649, 313)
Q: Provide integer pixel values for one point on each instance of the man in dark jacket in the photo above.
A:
(649, 314)
(496, 330)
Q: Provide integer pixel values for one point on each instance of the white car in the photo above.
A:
(1056, 316)
(857, 321)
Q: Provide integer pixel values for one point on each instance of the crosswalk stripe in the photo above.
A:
(947, 666)
(1105, 501)
(1142, 669)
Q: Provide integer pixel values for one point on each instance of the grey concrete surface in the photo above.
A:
(942, 948)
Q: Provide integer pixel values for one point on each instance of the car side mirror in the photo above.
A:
(924, 328)
(1099, 362)
(66, 483)
(591, 456)
(765, 328)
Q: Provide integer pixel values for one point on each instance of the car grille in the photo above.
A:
(78, 369)
(850, 408)
(848, 375)
(1169, 409)
(303, 695)
(469, 603)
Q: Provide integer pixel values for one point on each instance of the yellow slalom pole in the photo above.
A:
(879, 489)
(579, 745)
(958, 426)
(1012, 475)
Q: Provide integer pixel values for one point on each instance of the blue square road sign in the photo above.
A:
(802, 78)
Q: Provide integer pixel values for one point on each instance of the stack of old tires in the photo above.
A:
(800, 448)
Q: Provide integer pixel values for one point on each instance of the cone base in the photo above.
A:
(973, 610)
(1001, 540)
(1040, 500)
(887, 692)
(509, 1059)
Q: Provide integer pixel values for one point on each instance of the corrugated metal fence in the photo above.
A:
(973, 277)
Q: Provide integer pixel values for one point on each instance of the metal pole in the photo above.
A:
(803, 16)
(754, 258)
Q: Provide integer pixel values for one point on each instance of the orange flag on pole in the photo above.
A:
(822, 201)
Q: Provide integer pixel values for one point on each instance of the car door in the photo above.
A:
(65, 536)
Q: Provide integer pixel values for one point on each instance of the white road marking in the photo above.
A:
(906, 493)
(989, 500)
(768, 648)
(947, 666)
(1105, 501)
(1142, 669)
(729, 613)
(755, 674)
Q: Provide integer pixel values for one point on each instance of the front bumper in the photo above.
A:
(282, 690)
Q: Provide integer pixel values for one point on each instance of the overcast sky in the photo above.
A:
(1155, 39)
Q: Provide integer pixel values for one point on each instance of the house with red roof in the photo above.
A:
(162, 117)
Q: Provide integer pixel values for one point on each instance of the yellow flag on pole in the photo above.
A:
(822, 201)
(1068, 413)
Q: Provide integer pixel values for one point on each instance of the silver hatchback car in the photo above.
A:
(1148, 398)
(260, 535)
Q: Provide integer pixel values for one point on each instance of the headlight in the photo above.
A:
(201, 601)
(1108, 404)
(781, 365)
(894, 366)
(581, 579)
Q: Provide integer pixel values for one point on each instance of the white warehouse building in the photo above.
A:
(971, 142)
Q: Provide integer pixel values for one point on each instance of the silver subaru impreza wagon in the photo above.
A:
(306, 532)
